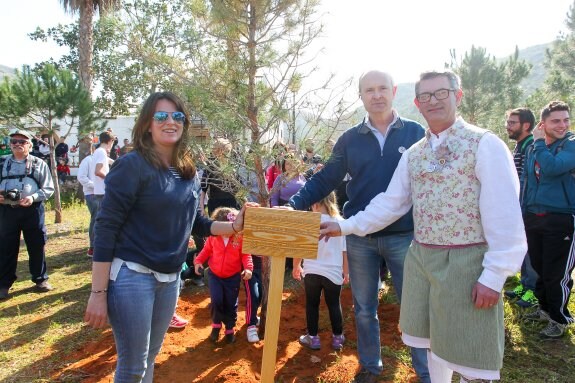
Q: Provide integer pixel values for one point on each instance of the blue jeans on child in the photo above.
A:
(224, 295)
(364, 258)
(139, 309)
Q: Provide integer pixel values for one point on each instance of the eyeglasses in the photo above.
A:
(178, 117)
(16, 141)
(439, 94)
(511, 122)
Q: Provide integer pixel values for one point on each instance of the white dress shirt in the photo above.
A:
(498, 204)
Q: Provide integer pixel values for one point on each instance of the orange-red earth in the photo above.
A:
(188, 356)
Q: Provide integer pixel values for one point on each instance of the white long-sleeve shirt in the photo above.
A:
(86, 175)
(498, 204)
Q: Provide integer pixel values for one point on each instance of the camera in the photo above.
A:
(12, 195)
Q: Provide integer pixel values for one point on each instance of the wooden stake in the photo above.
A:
(278, 233)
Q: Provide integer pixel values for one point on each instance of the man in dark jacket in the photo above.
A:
(25, 183)
(549, 206)
(369, 153)
(519, 125)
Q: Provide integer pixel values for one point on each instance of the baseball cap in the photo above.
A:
(22, 133)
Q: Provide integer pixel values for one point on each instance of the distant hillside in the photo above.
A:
(6, 71)
(534, 55)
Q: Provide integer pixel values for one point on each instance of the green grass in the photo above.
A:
(529, 358)
(38, 331)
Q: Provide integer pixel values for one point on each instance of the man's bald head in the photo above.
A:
(374, 73)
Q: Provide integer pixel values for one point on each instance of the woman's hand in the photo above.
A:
(96, 315)
(238, 224)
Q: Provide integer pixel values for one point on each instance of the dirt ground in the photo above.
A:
(187, 355)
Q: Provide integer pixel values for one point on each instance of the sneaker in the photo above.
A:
(553, 330)
(4, 293)
(527, 300)
(90, 252)
(43, 287)
(311, 342)
(252, 334)
(365, 376)
(537, 316)
(516, 292)
(215, 334)
(230, 337)
(337, 342)
(178, 322)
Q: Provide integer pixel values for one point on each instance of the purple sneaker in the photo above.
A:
(311, 342)
(337, 342)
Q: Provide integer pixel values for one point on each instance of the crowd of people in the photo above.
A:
(472, 229)
(447, 208)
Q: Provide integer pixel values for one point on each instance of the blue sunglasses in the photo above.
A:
(178, 117)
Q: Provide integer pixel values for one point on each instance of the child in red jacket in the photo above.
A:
(63, 170)
(226, 260)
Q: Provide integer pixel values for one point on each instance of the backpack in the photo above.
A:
(32, 170)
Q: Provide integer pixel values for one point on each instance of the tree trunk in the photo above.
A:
(252, 112)
(84, 147)
(85, 53)
(266, 268)
(57, 202)
(85, 44)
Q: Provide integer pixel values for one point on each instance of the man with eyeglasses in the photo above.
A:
(25, 183)
(519, 124)
(549, 208)
(369, 153)
(460, 181)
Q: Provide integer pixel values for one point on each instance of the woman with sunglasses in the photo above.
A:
(141, 236)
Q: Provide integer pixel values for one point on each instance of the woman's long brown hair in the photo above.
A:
(182, 158)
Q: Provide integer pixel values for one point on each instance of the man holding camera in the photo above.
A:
(25, 183)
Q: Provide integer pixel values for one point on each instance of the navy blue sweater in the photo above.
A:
(147, 215)
(358, 153)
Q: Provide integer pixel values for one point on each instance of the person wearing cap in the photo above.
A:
(25, 183)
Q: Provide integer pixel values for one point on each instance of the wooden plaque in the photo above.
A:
(281, 232)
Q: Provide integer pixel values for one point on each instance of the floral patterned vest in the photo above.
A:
(445, 190)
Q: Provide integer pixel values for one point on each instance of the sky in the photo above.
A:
(402, 37)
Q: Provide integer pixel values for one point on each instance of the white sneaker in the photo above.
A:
(252, 333)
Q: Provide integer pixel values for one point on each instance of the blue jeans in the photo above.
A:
(528, 274)
(139, 309)
(364, 257)
(93, 205)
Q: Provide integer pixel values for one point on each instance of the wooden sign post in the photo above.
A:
(278, 233)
